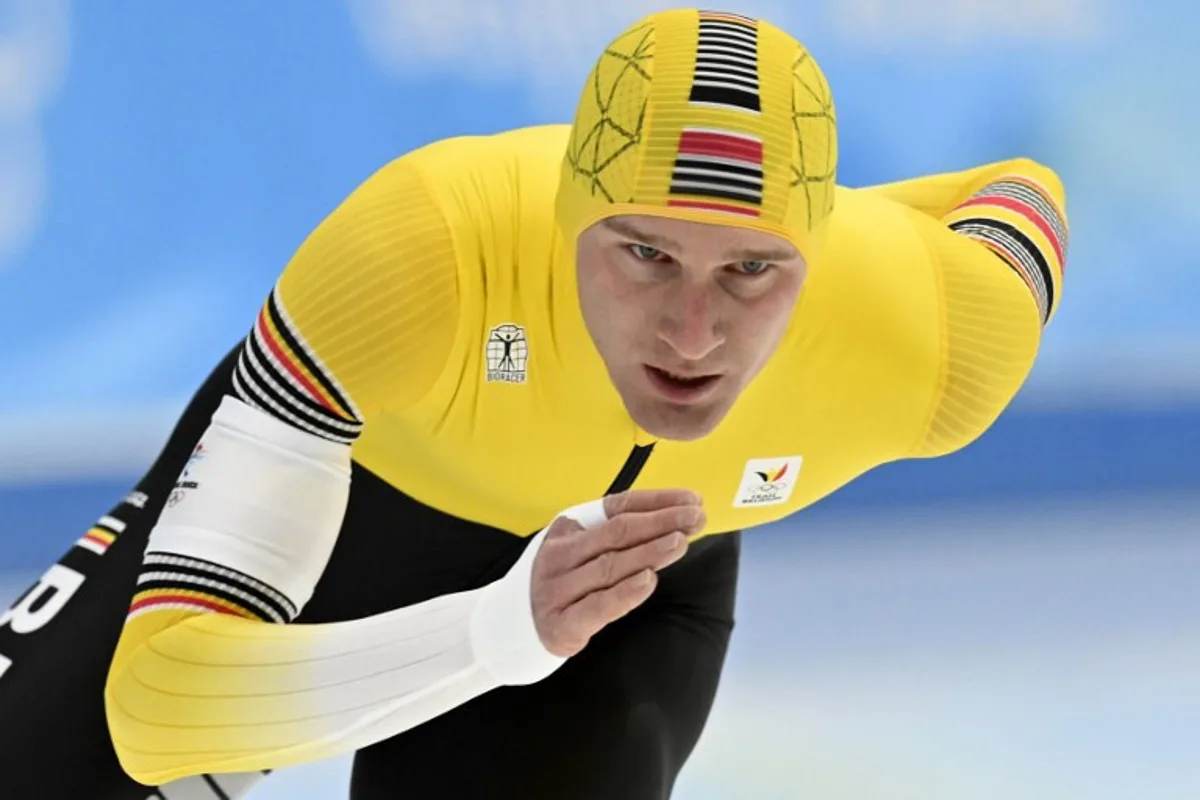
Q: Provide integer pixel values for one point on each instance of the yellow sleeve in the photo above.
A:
(364, 315)
(998, 237)
(361, 320)
(218, 694)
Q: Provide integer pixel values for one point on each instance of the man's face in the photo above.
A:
(684, 314)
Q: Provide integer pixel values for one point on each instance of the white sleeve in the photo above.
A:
(258, 497)
(219, 693)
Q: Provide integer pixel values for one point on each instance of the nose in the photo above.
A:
(690, 324)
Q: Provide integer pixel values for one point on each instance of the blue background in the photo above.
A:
(185, 151)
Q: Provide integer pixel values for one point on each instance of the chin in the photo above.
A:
(678, 423)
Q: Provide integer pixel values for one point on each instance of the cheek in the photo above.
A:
(597, 289)
(780, 306)
(608, 301)
(764, 322)
(781, 302)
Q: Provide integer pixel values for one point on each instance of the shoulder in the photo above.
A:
(491, 184)
(867, 329)
(495, 162)
(874, 278)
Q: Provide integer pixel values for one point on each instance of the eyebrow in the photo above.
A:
(778, 254)
(652, 239)
(667, 243)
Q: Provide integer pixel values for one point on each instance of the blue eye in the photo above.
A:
(753, 267)
(645, 252)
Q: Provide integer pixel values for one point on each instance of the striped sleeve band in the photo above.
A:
(278, 373)
(1020, 222)
(101, 535)
(170, 580)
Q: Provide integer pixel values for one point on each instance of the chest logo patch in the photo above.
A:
(768, 481)
(507, 354)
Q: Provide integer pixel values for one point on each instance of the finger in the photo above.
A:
(613, 566)
(563, 527)
(631, 530)
(648, 500)
(591, 613)
(555, 555)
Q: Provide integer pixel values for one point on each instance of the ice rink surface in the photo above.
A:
(1050, 653)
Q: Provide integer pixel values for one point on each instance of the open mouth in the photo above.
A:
(681, 387)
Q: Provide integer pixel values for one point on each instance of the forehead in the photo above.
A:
(699, 238)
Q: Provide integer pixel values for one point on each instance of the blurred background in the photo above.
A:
(1021, 619)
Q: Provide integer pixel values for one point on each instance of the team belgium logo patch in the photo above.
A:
(768, 481)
